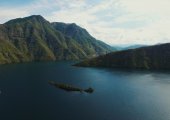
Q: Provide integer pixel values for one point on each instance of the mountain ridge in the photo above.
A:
(34, 38)
(150, 57)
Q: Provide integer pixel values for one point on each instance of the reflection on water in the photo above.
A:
(119, 94)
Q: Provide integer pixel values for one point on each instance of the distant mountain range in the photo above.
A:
(35, 39)
(119, 48)
(151, 57)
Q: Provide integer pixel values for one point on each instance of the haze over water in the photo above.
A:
(119, 94)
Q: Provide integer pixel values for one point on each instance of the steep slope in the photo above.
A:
(29, 36)
(35, 39)
(152, 57)
(90, 45)
(8, 52)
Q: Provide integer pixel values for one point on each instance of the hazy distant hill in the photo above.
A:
(151, 57)
(34, 39)
(119, 48)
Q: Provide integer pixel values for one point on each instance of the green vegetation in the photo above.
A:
(67, 87)
(151, 57)
(35, 39)
(89, 90)
(91, 46)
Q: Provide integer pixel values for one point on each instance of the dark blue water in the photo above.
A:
(119, 95)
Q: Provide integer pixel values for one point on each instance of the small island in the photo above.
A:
(70, 88)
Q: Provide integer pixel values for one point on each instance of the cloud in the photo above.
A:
(113, 21)
(150, 7)
(8, 13)
(122, 22)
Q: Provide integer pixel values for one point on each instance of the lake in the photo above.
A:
(119, 94)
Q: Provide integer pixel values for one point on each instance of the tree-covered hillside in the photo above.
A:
(151, 57)
(35, 39)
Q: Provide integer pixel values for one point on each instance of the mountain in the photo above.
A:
(134, 46)
(119, 48)
(35, 39)
(151, 57)
(90, 45)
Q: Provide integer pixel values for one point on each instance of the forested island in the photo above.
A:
(70, 88)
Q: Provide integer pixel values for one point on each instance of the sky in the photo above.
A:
(116, 22)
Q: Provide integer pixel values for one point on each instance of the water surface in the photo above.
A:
(119, 94)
